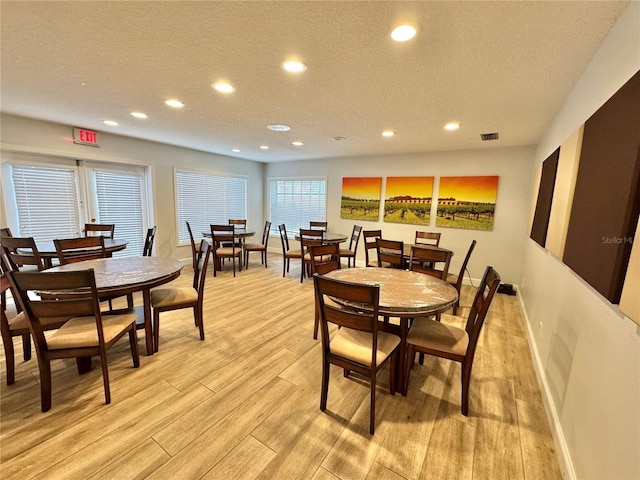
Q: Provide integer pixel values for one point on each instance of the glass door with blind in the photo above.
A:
(49, 198)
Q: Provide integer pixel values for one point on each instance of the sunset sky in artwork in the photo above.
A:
(362, 187)
(469, 189)
(414, 186)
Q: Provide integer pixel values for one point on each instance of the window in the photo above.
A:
(46, 201)
(204, 199)
(296, 202)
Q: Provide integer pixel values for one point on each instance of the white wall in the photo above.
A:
(27, 135)
(502, 247)
(586, 352)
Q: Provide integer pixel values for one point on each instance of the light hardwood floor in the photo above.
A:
(244, 403)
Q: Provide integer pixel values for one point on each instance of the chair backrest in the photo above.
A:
(70, 294)
(5, 232)
(238, 223)
(391, 252)
(222, 234)
(458, 284)
(480, 306)
(72, 250)
(103, 229)
(265, 233)
(425, 260)
(370, 237)
(324, 258)
(427, 238)
(355, 238)
(363, 318)
(310, 237)
(283, 238)
(193, 246)
(200, 272)
(318, 226)
(21, 251)
(148, 242)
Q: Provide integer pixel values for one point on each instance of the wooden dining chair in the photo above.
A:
(324, 259)
(370, 238)
(72, 250)
(430, 261)
(427, 238)
(258, 247)
(88, 332)
(22, 252)
(441, 339)
(106, 230)
(287, 253)
(456, 280)
(357, 346)
(225, 234)
(194, 248)
(5, 232)
(148, 242)
(164, 299)
(308, 237)
(350, 253)
(390, 253)
(318, 226)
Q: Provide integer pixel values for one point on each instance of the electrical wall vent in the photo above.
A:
(489, 136)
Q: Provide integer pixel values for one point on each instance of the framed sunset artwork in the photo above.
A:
(467, 202)
(361, 198)
(408, 200)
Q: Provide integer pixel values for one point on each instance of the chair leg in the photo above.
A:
(197, 312)
(45, 384)
(466, 380)
(105, 378)
(411, 357)
(325, 385)
(284, 265)
(393, 368)
(372, 415)
(133, 342)
(9, 357)
(26, 346)
(316, 323)
(156, 328)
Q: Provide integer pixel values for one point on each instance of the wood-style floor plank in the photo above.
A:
(244, 403)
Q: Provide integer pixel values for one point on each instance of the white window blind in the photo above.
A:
(296, 202)
(205, 199)
(119, 199)
(46, 201)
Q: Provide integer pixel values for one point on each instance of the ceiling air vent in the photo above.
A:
(489, 136)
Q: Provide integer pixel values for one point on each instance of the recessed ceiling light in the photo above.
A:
(111, 123)
(174, 103)
(139, 115)
(294, 66)
(264, 147)
(235, 150)
(338, 139)
(297, 143)
(223, 87)
(388, 133)
(403, 33)
(452, 126)
(279, 127)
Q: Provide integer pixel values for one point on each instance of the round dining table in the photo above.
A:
(403, 294)
(125, 275)
(329, 237)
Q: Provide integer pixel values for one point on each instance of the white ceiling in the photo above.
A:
(502, 67)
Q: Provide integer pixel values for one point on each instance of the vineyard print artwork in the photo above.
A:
(361, 198)
(467, 202)
(408, 200)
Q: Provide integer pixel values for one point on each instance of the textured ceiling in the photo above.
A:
(502, 67)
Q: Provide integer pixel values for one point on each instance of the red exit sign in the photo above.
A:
(85, 137)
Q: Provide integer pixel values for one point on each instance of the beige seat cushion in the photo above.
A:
(173, 297)
(440, 336)
(294, 253)
(228, 251)
(20, 322)
(345, 251)
(356, 345)
(254, 246)
(82, 331)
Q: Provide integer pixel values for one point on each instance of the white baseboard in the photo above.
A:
(562, 449)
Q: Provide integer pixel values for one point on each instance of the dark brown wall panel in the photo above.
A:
(545, 196)
(606, 202)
